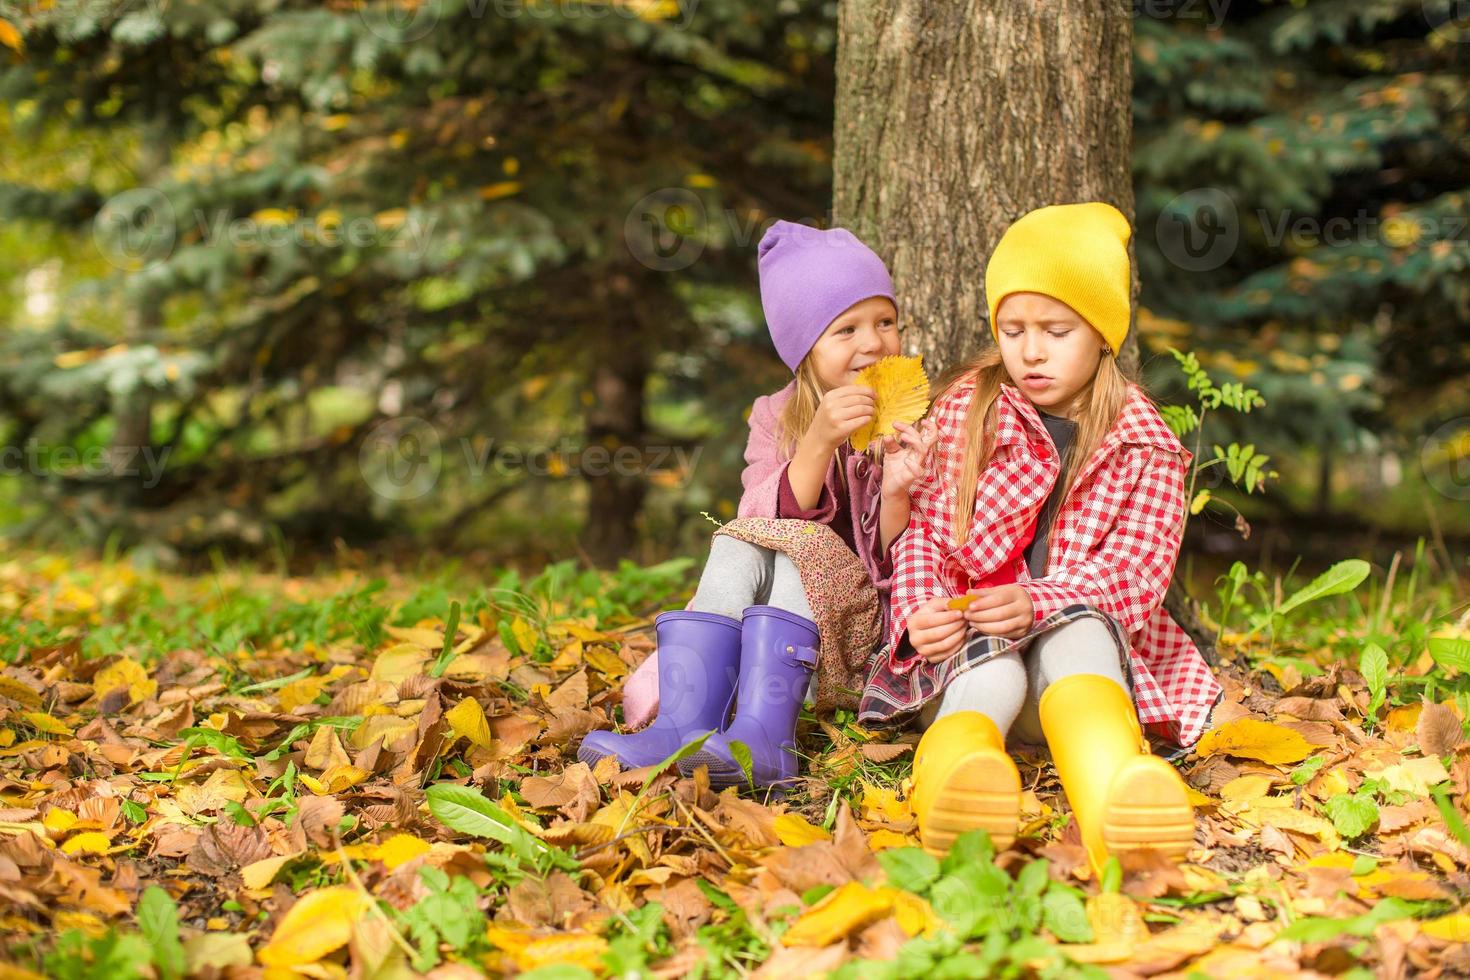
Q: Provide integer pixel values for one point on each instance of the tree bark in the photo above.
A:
(955, 118)
(616, 487)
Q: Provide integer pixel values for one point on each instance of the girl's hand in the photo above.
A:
(841, 412)
(906, 459)
(1002, 610)
(935, 631)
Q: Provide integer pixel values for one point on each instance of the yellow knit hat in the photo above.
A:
(1075, 253)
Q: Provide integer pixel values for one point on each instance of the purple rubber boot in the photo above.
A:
(698, 660)
(778, 652)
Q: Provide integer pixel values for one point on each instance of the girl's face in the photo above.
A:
(1050, 351)
(863, 333)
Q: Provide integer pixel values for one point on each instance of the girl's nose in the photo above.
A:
(1031, 346)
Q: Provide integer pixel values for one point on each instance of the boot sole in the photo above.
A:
(1148, 810)
(592, 757)
(983, 790)
(722, 775)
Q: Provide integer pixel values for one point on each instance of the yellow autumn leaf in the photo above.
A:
(1250, 738)
(337, 778)
(574, 949)
(58, 821)
(795, 831)
(399, 662)
(91, 842)
(10, 37)
(16, 691)
(902, 390)
(606, 663)
(505, 188)
(1248, 787)
(880, 839)
(525, 635)
(913, 914)
(839, 914)
(467, 719)
(125, 673)
(273, 216)
(299, 692)
(259, 874)
(42, 722)
(1454, 927)
(318, 924)
(391, 218)
(400, 849)
(884, 805)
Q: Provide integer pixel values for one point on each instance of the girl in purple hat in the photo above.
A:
(799, 582)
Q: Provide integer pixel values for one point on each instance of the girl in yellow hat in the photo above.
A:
(1028, 589)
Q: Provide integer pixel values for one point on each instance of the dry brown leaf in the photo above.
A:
(1439, 731)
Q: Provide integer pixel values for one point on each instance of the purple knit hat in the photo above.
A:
(808, 277)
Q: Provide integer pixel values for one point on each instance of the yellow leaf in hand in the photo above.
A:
(902, 391)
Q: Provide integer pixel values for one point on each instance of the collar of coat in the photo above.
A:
(1139, 423)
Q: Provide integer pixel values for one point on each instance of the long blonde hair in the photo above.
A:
(1102, 401)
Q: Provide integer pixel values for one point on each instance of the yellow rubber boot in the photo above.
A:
(1125, 799)
(964, 779)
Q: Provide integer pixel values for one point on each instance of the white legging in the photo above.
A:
(1008, 690)
(739, 574)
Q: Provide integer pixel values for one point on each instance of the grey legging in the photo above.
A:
(739, 574)
(1008, 690)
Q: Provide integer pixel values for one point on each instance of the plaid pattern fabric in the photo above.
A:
(1112, 549)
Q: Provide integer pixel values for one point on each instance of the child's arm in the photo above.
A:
(893, 518)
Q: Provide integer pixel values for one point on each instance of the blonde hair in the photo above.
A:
(1101, 402)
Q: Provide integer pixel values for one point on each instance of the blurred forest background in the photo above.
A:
(283, 278)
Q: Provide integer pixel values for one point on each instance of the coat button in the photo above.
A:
(866, 520)
(862, 468)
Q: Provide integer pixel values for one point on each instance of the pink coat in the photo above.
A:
(765, 466)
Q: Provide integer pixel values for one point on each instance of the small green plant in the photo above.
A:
(1246, 467)
(448, 914)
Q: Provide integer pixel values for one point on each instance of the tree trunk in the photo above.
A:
(616, 487)
(953, 120)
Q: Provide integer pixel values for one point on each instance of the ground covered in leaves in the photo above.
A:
(245, 773)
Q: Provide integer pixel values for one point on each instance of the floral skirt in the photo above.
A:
(844, 602)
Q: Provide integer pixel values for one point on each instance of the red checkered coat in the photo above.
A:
(1113, 545)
